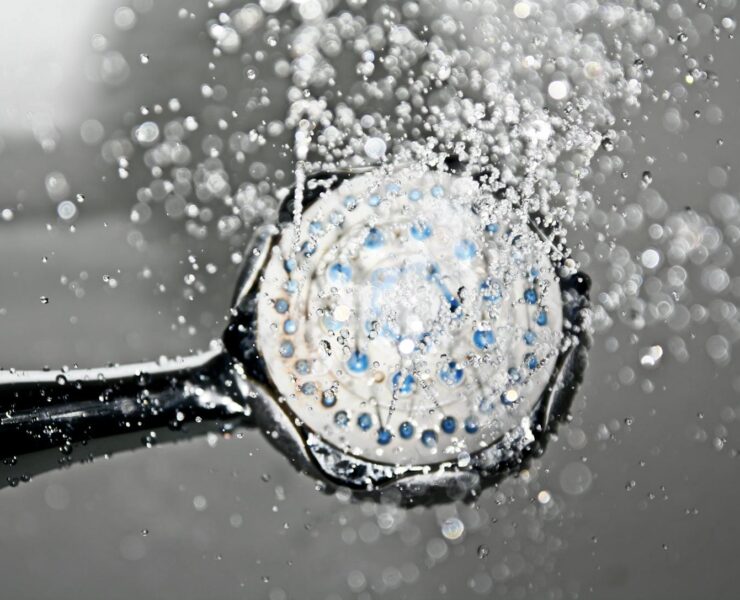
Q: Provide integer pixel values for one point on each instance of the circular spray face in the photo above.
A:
(410, 317)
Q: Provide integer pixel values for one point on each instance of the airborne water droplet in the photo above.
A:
(375, 148)
(453, 528)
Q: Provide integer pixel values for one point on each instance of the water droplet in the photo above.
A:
(576, 478)
(375, 148)
(558, 89)
(453, 528)
(146, 133)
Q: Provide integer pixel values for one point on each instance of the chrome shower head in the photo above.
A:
(406, 332)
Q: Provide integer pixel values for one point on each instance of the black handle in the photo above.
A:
(139, 405)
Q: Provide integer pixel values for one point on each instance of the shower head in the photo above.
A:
(402, 331)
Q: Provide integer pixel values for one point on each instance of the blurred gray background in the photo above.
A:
(640, 496)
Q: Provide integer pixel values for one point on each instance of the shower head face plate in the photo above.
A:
(409, 317)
